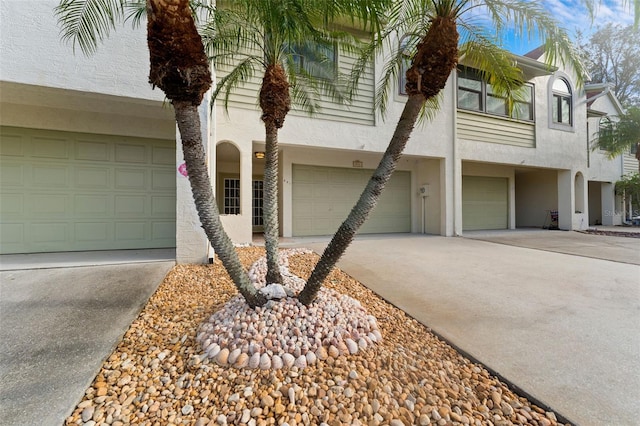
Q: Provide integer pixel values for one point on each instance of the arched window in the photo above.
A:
(562, 102)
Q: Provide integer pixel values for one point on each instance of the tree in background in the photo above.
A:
(619, 135)
(612, 55)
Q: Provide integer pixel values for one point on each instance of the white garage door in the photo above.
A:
(69, 191)
(484, 203)
(324, 196)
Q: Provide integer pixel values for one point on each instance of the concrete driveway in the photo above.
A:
(57, 325)
(563, 327)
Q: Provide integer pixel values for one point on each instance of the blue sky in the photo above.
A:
(573, 15)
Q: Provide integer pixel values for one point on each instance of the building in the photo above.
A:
(90, 162)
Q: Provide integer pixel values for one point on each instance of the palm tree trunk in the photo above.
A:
(270, 211)
(188, 121)
(274, 102)
(368, 200)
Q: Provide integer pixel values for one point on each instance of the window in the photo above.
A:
(258, 203)
(475, 94)
(561, 103)
(406, 52)
(231, 196)
(315, 59)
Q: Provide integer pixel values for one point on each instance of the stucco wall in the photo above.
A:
(536, 193)
(32, 53)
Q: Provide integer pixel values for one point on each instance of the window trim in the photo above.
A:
(554, 96)
(485, 94)
(229, 209)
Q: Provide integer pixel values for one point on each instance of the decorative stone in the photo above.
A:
(242, 361)
(265, 362)
(301, 361)
(222, 357)
(351, 346)
(333, 352)
(273, 292)
(288, 360)
(233, 356)
(276, 362)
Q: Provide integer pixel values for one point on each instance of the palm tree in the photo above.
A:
(432, 27)
(270, 38)
(180, 68)
(617, 137)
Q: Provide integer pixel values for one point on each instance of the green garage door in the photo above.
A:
(324, 196)
(65, 191)
(484, 203)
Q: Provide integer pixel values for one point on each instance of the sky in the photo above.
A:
(573, 15)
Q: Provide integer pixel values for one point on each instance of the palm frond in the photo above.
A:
(87, 22)
(135, 11)
(243, 72)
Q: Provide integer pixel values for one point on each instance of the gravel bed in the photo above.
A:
(160, 375)
(616, 233)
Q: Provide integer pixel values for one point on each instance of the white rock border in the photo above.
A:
(284, 332)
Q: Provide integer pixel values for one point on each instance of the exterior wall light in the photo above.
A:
(259, 155)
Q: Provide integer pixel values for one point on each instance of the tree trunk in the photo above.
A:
(275, 102)
(270, 209)
(368, 200)
(188, 121)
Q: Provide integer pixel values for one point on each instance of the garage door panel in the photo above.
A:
(92, 151)
(48, 234)
(11, 174)
(163, 230)
(12, 145)
(11, 234)
(131, 231)
(128, 205)
(335, 194)
(132, 179)
(162, 179)
(129, 153)
(51, 148)
(93, 205)
(163, 156)
(49, 205)
(161, 206)
(484, 203)
(12, 205)
(50, 176)
(74, 195)
(92, 177)
(96, 232)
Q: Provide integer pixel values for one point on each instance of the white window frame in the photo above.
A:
(485, 94)
(231, 200)
(555, 98)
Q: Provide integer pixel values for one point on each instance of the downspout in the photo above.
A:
(454, 146)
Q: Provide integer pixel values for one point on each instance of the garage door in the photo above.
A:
(70, 191)
(484, 203)
(324, 196)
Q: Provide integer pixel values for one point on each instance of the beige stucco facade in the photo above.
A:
(546, 167)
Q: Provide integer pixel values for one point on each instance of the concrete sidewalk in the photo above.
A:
(56, 328)
(562, 327)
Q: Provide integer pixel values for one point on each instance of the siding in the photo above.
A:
(629, 164)
(360, 111)
(486, 128)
